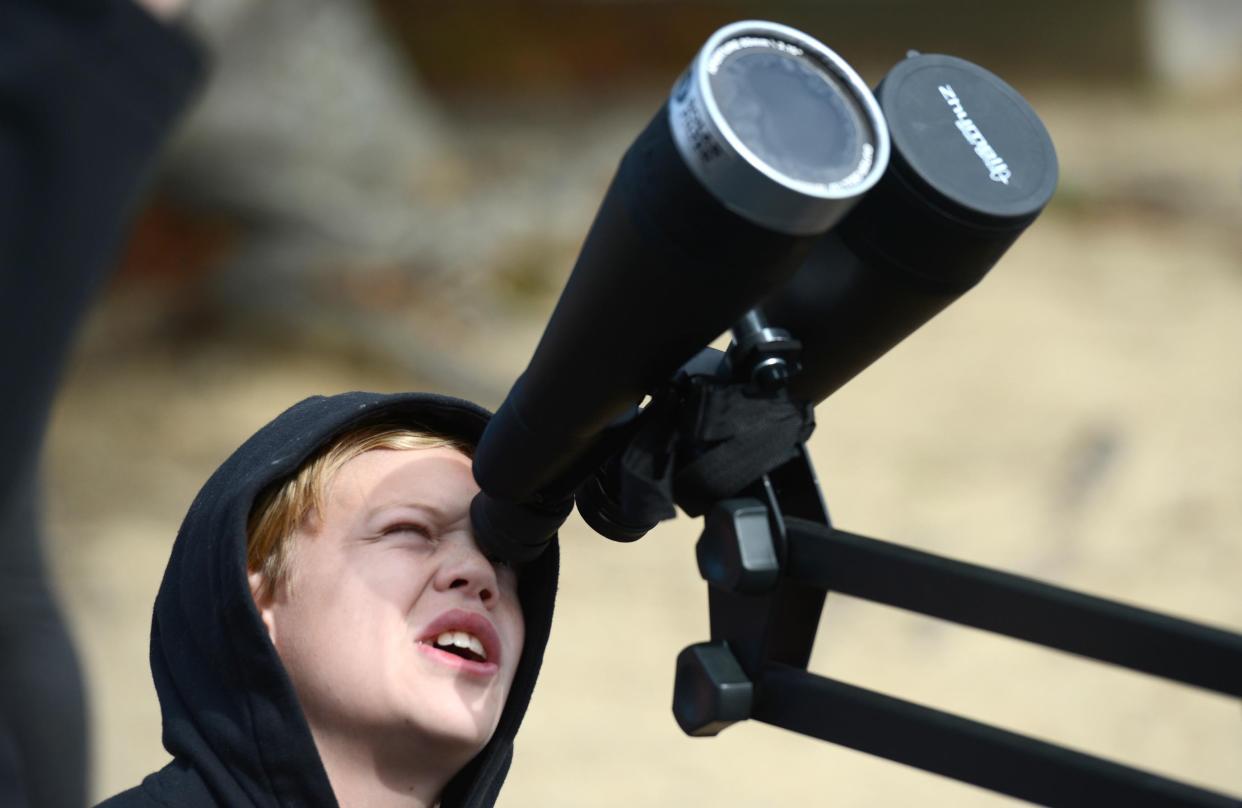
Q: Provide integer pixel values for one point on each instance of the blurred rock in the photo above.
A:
(312, 120)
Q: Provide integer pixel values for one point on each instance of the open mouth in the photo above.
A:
(462, 644)
(466, 635)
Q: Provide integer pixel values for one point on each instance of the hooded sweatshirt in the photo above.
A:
(231, 718)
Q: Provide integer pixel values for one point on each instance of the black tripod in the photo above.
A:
(770, 555)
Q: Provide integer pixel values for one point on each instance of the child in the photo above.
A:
(328, 632)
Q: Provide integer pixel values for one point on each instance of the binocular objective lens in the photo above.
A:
(792, 114)
(778, 128)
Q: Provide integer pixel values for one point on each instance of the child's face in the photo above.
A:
(388, 569)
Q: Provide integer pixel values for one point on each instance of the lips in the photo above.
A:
(471, 623)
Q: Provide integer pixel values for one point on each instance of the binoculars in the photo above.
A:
(774, 192)
(775, 196)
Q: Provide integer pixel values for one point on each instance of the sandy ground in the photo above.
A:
(1076, 419)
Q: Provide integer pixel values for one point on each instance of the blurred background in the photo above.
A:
(388, 195)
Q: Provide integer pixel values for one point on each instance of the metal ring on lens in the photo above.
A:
(732, 170)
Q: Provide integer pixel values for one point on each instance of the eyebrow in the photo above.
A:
(438, 514)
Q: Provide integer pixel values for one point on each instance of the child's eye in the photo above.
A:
(408, 528)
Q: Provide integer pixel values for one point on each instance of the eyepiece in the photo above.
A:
(778, 127)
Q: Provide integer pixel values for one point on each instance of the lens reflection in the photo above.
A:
(791, 114)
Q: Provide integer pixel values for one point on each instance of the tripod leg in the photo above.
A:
(956, 747)
(1019, 607)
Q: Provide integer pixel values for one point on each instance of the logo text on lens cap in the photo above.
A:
(998, 169)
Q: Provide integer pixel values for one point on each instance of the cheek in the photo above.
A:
(313, 626)
(368, 587)
(332, 623)
(343, 652)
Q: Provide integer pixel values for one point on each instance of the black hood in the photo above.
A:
(232, 721)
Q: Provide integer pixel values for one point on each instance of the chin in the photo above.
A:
(457, 724)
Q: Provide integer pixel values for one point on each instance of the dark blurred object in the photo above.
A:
(88, 92)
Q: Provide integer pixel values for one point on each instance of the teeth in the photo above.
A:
(460, 639)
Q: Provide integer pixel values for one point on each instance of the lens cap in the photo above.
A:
(971, 167)
(971, 142)
(777, 127)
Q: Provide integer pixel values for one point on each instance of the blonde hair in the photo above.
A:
(285, 506)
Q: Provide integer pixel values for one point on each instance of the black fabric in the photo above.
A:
(231, 718)
(703, 440)
(88, 92)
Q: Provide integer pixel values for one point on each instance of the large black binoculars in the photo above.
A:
(772, 185)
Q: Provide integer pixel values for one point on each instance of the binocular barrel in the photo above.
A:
(972, 166)
(765, 180)
(765, 142)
